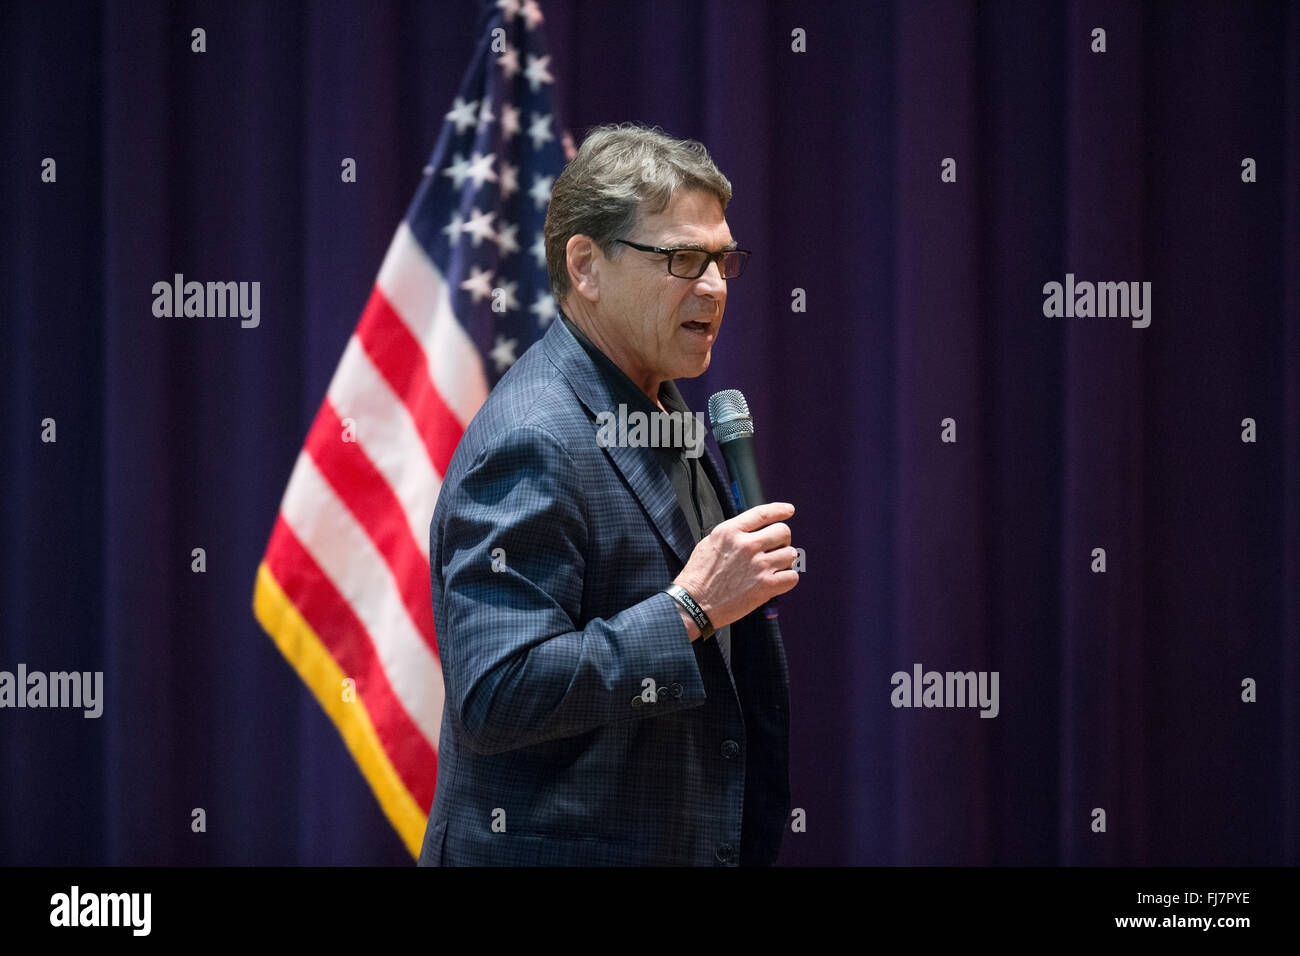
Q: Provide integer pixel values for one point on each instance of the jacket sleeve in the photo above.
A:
(517, 669)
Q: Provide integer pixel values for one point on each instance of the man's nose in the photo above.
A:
(711, 282)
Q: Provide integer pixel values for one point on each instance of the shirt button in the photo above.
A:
(730, 749)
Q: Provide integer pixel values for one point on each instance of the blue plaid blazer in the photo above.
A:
(581, 725)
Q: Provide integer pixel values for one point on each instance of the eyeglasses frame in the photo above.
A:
(711, 257)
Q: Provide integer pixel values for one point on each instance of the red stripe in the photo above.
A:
(400, 358)
(375, 506)
(346, 639)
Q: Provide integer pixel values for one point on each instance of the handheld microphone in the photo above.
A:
(733, 428)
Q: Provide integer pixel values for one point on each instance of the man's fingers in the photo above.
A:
(773, 536)
(782, 559)
(784, 581)
(762, 515)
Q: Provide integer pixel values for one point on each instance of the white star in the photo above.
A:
(505, 239)
(541, 191)
(457, 170)
(509, 121)
(536, 73)
(504, 353)
(479, 225)
(532, 13)
(509, 61)
(480, 169)
(543, 308)
(511, 7)
(507, 292)
(462, 114)
(479, 283)
(453, 228)
(485, 115)
(540, 130)
(509, 179)
(538, 250)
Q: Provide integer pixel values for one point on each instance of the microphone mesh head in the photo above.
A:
(729, 415)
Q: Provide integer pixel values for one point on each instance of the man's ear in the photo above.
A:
(583, 259)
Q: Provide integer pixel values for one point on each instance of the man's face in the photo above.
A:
(665, 326)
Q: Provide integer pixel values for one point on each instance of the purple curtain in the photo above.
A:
(922, 291)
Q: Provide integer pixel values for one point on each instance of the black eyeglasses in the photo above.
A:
(691, 263)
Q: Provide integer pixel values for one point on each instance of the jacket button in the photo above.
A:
(730, 749)
(676, 690)
(726, 853)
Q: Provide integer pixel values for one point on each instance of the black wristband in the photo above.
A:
(683, 597)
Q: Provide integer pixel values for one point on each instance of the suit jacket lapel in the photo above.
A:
(639, 466)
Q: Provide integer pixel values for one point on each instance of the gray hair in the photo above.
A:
(620, 173)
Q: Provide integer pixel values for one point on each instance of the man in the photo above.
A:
(591, 717)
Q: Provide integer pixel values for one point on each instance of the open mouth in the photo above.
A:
(698, 326)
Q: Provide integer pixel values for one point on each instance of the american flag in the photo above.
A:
(343, 588)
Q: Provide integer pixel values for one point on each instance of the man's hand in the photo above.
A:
(742, 563)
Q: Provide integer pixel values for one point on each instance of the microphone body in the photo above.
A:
(743, 469)
(733, 428)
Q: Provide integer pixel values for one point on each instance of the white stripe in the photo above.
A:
(419, 295)
(349, 559)
(388, 436)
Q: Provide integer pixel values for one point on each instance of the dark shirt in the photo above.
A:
(695, 493)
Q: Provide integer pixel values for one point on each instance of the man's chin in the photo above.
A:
(696, 365)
